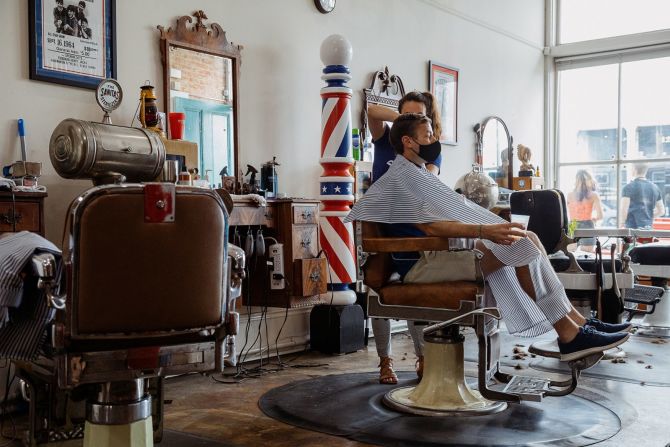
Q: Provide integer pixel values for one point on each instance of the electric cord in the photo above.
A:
(243, 373)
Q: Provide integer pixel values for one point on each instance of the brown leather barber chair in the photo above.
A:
(148, 290)
(443, 389)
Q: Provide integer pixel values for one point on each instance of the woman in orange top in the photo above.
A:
(583, 201)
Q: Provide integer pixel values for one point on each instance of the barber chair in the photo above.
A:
(443, 389)
(591, 278)
(148, 290)
(653, 260)
(601, 281)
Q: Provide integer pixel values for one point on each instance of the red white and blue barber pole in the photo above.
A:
(336, 183)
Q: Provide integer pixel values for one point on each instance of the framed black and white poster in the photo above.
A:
(72, 42)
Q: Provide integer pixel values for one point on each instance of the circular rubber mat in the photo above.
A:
(349, 405)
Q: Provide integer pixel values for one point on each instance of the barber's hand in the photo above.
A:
(504, 233)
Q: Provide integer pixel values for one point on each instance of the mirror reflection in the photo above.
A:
(201, 78)
(495, 145)
(201, 88)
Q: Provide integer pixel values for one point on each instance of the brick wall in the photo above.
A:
(202, 75)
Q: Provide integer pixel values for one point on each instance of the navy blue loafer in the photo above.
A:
(590, 341)
(608, 328)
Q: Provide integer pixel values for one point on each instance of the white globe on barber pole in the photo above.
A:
(336, 183)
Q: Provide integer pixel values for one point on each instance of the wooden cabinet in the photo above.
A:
(293, 223)
(22, 212)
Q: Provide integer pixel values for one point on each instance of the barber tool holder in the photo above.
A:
(292, 276)
(336, 329)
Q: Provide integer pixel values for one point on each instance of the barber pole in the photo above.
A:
(336, 183)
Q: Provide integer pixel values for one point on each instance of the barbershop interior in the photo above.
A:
(334, 223)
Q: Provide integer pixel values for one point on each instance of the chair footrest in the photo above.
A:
(527, 388)
(644, 294)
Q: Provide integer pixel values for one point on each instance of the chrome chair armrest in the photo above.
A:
(44, 266)
(237, 273)
(492, 312)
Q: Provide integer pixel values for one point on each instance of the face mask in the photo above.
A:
(429, 152)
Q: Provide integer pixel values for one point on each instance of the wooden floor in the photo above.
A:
(229, 414)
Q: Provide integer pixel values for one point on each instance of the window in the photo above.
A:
(614, 123)
(581, 20)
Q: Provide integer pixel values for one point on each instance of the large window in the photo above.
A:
(581, 20)
(614, 123)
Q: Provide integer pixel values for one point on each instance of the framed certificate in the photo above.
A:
(72, 42)
(443, 83)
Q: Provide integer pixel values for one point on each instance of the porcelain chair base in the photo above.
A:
(135, 434)
(443, 389)
(661, 316)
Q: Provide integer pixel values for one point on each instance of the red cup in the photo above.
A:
(177, 125)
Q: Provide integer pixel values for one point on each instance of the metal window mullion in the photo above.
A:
(619, 145)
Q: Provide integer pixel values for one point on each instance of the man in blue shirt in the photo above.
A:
(641, 200)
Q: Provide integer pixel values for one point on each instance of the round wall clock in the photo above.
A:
(325, 6)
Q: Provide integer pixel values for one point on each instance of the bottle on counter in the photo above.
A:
(356, 144)
(185, 177)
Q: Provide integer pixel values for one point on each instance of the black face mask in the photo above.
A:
(429, 152)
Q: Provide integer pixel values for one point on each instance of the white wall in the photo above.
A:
(496, 45)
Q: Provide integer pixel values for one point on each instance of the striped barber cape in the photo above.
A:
(24, 313)
(410, 194)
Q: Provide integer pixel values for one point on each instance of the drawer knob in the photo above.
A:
(306, 215)
(306, 242)
(10, 218)
(315, 275)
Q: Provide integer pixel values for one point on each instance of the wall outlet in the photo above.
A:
(276, 255)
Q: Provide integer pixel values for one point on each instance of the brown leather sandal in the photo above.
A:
(386, 374)
(418, 366)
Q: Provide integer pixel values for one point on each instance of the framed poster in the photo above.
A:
(443, 81)
(72, 42)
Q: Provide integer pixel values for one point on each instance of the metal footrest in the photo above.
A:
(528, 388)
(644, 294)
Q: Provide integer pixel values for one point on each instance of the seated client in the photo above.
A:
(528, 293)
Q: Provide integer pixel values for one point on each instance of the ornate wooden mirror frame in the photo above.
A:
(209, 39)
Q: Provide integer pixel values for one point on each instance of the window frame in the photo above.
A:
(558, 57)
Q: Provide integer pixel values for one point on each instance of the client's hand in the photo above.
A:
(504, 233)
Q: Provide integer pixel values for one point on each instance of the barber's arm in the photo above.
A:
(503, 233)
(598, 208)
(377, 115)
(659, 210)
(623, 210)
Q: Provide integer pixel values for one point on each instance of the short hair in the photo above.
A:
(59, 2)
(406, 124)
(82, 4)
(640, 169)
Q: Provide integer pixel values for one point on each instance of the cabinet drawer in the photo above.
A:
(304, 214)
(305, 243)
(27, 217)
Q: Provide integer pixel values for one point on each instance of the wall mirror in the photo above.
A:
(200, 77)
(494, 150)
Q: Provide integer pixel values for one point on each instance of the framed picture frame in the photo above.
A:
(443, 81)
(72, 42)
